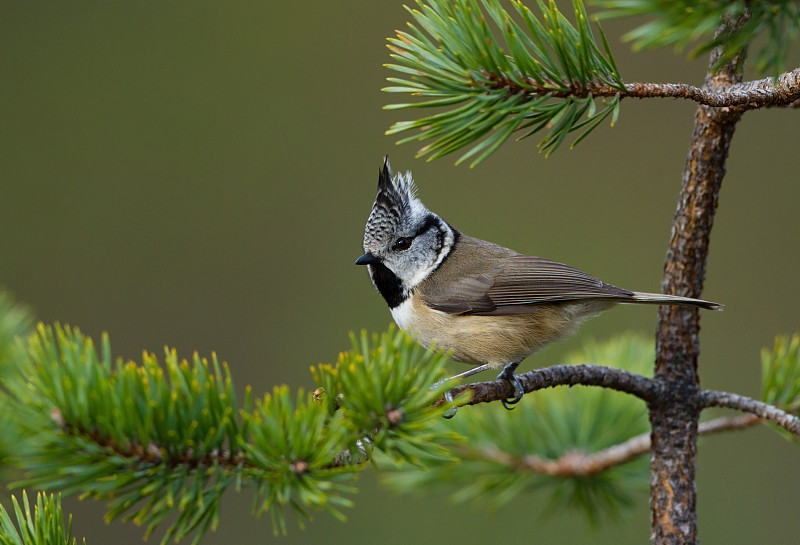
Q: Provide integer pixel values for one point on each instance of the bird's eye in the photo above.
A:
(402, 243)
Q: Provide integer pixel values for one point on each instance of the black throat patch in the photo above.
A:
(387, 284)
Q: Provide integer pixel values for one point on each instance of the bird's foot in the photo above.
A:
(451, 412)
(448, 396)
(508, 375)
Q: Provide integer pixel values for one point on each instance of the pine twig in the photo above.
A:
(579, 464)
(788, 421)
(153, 454)
(780, 91)
(561, 375)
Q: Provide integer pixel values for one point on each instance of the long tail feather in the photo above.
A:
(662, 299)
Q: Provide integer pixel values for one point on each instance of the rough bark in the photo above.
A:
(778, 91)
(674, 419)
(560, 375)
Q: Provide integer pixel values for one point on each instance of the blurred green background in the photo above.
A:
(197, 174)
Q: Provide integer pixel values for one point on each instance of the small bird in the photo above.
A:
(490, 306)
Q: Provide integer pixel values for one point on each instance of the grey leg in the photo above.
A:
(508, 375)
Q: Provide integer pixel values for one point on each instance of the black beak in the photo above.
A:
(367, 259)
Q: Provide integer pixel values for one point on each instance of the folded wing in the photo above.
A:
(522, 283)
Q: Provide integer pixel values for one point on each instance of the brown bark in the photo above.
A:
(580, 464)
(674, 419)
(779, 91)
(560, 375)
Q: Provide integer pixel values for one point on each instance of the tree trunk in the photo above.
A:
(673, 496)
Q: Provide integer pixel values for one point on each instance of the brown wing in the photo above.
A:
(516, 287)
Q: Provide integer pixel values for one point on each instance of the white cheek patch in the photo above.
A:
(420, 275)
(423, 272)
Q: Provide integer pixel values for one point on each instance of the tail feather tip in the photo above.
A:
(663, 299)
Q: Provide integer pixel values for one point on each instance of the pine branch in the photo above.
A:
(489, 83)
(783, 90)
(674, 421)
(164, 443)
(642, 387)
(579, 464)
(153, 453)
(572, 443)
(386, 385)
(788, 421)
(546, 425)
(772, 24)
(793, 104)
(541, 80)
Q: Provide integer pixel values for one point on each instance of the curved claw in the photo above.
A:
(518, 393)
(508, 375)
(451, 412)
(448, 396)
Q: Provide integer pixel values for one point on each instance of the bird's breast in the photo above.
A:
(477, 340)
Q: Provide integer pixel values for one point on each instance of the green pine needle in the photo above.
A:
(296, 443)
(385, 387)
(547, 425)
(687, 23)
(16, 321)
(780, 376)
(493, 73)
(162, 443)
(43, 525)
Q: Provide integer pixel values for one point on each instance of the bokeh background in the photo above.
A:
(197, 175)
